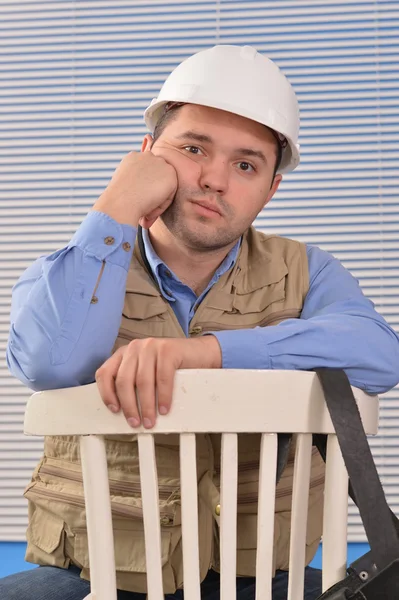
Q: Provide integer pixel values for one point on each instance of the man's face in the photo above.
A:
(225, 165)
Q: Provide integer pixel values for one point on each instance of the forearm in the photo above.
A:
(338, 328)
(365, 347)
(59, 333)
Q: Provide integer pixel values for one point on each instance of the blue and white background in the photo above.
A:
(75, 77)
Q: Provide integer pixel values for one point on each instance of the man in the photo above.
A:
(165, 273)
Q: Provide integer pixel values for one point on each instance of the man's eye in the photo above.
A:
(244, 166)
(192, 149)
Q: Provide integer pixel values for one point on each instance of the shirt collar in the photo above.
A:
(159, 268)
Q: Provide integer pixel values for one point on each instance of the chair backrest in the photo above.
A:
(211, 401)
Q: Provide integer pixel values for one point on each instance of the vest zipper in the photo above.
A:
(269, 320)
(280, 493)
(126, 335)
(213, 326)
(117, 508)
(254, 466)
(251, 498)
(165, 491)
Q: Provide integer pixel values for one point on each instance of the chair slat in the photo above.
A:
(266, 505)
(99, 518)
(228, 516)
(203, 402)
(299, 517)
(189, 498)
(152, 527)
(335, 515)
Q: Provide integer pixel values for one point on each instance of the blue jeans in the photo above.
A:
(51, 583)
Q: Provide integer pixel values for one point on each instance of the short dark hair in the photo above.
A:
(170, 112)
(167, 115)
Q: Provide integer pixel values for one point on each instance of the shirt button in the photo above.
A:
(109, 240)
(126, 246)
(94, 300)
(217, 510)
(168, 274)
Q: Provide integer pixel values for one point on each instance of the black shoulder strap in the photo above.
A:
(381, 525)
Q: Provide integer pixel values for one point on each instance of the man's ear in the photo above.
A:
(147, 143)
(276, 182)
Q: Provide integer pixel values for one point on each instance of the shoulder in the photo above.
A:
(320, 262)
(275, 245)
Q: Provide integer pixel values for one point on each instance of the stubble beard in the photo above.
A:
(201, 236)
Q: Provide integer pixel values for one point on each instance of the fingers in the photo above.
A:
(145, 384)
(148, 220)
(165, 375)
(116, 383)
(125, 386)
(154, 378)
(137, 377)
(105, 379)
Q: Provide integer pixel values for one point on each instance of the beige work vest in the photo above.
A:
(267, 284)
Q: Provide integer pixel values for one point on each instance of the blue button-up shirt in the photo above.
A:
(58, 337)
(180, 296)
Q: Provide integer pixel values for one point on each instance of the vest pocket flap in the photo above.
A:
(262, 274)
(143, 307)
(220, 300)
(45, 530)
(259, 300)
(129, 550)
(245, 303)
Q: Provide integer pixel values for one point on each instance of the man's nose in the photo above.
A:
(215, 176)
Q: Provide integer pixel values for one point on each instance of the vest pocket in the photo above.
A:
(129, 549)
(130, 561)
(45, 537)
(53, 533)
(143, 307)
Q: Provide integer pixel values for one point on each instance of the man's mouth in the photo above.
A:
(209, 207)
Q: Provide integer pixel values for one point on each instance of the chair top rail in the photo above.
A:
(204, 401)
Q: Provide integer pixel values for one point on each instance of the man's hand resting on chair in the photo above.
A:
(145, 369)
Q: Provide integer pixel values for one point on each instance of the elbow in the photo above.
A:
(385, 364)
(26, 371)
(391, 374)
(36, 373)
(390, 358)
(35, 368)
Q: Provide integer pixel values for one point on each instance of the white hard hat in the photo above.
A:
(239, 80)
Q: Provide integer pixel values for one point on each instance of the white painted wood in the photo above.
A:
(80, 410)
(300, 501)
(209, 391)
(152, 527)
(335, 515)
(99, 519)
(189, 508)
(228, 515)
(266, 505)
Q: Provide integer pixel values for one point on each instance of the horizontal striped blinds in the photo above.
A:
(75, 77)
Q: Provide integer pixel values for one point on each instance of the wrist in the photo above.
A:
(121, 216)
(213, 351)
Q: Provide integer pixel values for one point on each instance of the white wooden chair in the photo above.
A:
(214, 401)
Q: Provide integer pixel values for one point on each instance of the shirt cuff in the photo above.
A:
(243, 349)
(104, 238)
